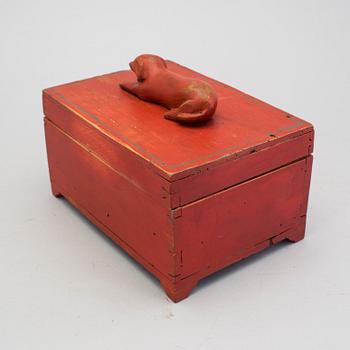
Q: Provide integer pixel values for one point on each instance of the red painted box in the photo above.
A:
(184, 201)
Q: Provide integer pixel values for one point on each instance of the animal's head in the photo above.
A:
(144, 65)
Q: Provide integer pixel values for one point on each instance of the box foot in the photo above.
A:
(55, 191)
(299, 233)
(296, 237)
(180, 290)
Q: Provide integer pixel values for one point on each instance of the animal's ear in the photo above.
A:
(138, 67)
(162, 62)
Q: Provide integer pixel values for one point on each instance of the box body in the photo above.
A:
(183, 201)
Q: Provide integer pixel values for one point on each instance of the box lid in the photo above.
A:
(241, 125)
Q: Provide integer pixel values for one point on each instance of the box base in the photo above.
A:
(179, 289)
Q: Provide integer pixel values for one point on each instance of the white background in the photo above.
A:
(63, 285)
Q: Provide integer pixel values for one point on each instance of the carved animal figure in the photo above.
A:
(188, 100)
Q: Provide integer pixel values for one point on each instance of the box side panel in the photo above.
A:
(140, 172)
(225, 174)
(128, 214)
(225, 227)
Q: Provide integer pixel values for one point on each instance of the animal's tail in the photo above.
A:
(189, 112)
(189, 117)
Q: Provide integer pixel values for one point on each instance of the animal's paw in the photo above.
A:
(133, 88)
(171, 114)
(125, 86)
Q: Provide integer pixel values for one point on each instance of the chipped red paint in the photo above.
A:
(183, 201)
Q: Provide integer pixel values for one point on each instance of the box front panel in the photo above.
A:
(217, 230)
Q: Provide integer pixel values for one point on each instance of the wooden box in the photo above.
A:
(184, 201)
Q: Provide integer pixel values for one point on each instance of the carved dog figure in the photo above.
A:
(188, 100)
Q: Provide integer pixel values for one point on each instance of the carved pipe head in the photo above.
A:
(144, 65)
